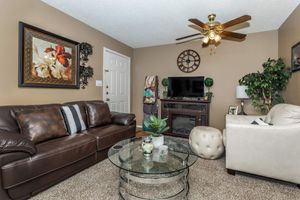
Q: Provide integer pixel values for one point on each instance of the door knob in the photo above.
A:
(107, 99)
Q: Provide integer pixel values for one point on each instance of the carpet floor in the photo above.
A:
(208, 181)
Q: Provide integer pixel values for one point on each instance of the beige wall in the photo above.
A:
(39, 14)
(231, 61)
(288, 35)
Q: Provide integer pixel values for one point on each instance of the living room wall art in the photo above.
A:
(295, 57)
(47, 60)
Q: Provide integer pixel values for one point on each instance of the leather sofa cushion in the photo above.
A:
(51, 155)
(111, 134)
(98, 114)
(283, 114)
(41, 125)
(15, 143)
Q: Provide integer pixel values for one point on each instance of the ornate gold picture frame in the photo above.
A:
(46, 59)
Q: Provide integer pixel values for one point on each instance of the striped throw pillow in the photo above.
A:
(260, 121)
(73, 119)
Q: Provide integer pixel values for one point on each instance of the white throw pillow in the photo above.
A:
(283, 114)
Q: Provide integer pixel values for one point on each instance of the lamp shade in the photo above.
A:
(241, 92)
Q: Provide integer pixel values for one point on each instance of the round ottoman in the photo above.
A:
(206, 142)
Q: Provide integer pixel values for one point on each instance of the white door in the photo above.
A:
(116, 81)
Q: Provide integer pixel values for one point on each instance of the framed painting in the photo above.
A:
(47, 60)
(295, 63)
(233, 110)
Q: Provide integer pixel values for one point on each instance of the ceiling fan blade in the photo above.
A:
(239, 26)
(181, 38)
(198, 38)
(198, 28)
(198, 22)
(233, 35)
(236, 21)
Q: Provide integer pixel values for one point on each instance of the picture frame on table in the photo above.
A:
(233, 110)
(47, 60)
(295, 57)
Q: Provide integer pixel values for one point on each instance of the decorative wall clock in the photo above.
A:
(188, 61)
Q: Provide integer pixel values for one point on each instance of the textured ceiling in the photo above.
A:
(142, 23)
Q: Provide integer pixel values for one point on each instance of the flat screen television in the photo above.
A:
(186, 86)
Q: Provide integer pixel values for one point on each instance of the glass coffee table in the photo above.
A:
(160, 176)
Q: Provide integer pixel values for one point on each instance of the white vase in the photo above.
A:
(157, 141)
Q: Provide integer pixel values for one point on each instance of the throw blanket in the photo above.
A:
(150, 89)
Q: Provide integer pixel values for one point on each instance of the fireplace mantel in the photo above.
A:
(184, 114)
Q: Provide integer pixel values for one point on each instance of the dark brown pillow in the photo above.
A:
(41, 125)
(98, 114)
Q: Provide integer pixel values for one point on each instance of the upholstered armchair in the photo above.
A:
(268, 150)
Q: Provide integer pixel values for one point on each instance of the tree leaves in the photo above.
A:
(264, 88)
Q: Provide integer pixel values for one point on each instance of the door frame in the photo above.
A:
(107, 50)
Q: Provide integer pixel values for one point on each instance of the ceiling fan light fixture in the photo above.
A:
(212, 32)
(211, 35)
(205, 40)
(218, 38)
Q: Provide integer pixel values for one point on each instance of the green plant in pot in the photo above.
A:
(165, 84)
(208, 82)
(155, 128)
(265, 88)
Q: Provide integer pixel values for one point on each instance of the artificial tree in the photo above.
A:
(165, 83)
(265, 88)
(208, 82)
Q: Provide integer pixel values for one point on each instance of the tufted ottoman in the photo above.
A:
(206, 142)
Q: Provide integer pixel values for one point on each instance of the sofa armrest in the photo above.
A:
(122, 118)
(13, 142)
(242, 119)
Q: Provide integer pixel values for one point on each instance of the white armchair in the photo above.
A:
(271, 151)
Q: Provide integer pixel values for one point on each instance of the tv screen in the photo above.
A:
(186, 86)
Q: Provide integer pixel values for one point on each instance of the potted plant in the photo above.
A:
(155, 127)
(208, 82)
(165, 83)
(264, 88)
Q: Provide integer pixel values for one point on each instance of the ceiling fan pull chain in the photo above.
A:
(213, 50)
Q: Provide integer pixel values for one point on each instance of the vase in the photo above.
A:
(147, 146)
(157, 141)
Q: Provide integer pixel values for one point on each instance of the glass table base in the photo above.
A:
(169, 186)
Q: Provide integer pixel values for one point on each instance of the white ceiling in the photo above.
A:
(142, 23)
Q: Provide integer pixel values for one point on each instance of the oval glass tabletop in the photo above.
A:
(128, 155)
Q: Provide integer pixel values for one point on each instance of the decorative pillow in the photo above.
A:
(260, 121)
(73, 118)
(98, 114)
(41, 125)
(284, 114)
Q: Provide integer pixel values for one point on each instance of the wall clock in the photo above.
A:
(188, 61)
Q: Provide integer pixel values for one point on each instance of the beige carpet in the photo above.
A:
(208, 181)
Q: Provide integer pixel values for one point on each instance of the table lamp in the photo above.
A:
(242, 95)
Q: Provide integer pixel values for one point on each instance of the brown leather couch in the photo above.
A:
(28, 168)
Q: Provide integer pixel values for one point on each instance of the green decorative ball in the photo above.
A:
(165, 82)
(208, 82)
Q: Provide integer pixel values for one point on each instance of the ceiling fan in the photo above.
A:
(213, 31)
